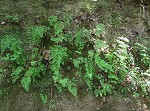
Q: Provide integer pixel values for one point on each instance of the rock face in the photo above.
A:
(120, 103)
(17, 99)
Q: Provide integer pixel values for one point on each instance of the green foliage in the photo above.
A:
(58, 57)
(10, 18)
(143, 52)
(64, 54)
(139, 81)
(99, 44)
(89, 69)
(11, 46)
(106, 89)
(100, 28)
(25, 82)
(13, 50)
(52, 104)
(52, 20)
(80, 38)
(16, 73)
(122, 54)
(102, 64)
(89, 7)
(35, 34)
(43, 97)
(78, 61)
(57, 27)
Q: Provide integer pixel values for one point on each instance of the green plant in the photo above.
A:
(143, 52)
(43, 97)
(123, 56)
(52, 104)
(13, 51)
(11, 48)
(65, 58)
(58, 57)
(139, 81)
(10, 18)
(35, 34)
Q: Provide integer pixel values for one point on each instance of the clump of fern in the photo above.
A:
(52, 51)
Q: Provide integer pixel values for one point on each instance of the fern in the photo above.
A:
(58, 58)
(106, 89)
(90, 69)
(43, 97)
(52, 20)
(58, 27)
(59, 38)
(80, 51)
(102, 64)
(80, 38)
(99, 44)
(143, 52)
(139, 81)
(122, 56)
(35, 34)
(31, 74)
(58, 55)
(25, 82)
(78, 61)
(9, 42)
(100, 28)
(17, 73)
(12, 50)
